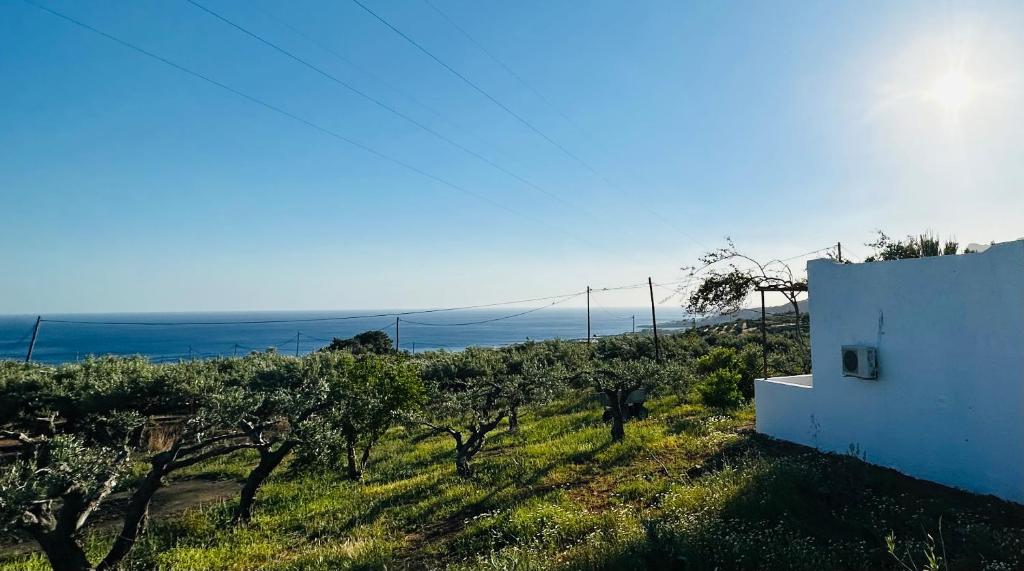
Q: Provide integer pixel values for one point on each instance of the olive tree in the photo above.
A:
(368, 397)
(278, 400)
(468, 398)
(616, 379)
(95, 413)
(533, 373)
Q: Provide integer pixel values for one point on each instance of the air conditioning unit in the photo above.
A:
(860, 361)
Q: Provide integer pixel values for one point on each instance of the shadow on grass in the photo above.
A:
(765, 504)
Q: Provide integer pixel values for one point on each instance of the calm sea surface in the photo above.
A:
(168, 340)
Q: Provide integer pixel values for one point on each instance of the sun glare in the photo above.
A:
(953, 91)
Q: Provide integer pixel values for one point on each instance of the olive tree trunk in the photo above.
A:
(616, 404)
(136, 514)
(270, 459)
(61, 550)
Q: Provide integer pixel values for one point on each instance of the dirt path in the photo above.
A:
(170, 500)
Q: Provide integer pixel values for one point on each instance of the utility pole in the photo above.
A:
(234, 352)
(297, 334)
(32, 344)
(397, 334)
(839, 247)
(634, 323)
(764, 337)
(654, 321)
(588, 314)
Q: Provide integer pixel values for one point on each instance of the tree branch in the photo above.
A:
(209, 454)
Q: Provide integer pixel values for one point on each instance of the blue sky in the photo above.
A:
(130, 186)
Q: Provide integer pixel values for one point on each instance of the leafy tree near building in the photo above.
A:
(725, 278)
(922, 246)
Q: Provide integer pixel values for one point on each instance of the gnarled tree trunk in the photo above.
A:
(357, 462)
(61, 550)
(462, 457)
(270, 459)
(136, 514)
(615, 399)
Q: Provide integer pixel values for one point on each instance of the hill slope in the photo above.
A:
(688, 487)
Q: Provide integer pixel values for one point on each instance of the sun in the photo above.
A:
(953, 91)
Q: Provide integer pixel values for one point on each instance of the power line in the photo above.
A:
(520, 118)
(560, 298)
(368, 72)
(297, 118)
(812, 252)
(314, 319)
(503, 65)
(492, 320)
(394, 111)
(377, 102)
(633, 286)
(536, 92)
(604, 310)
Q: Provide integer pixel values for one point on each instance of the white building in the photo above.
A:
(948, 401)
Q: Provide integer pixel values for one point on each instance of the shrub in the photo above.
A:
(746, 363)
(720, 389)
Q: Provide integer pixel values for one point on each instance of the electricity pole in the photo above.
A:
(839, 247)
(297, 333)
(32, 344)
(397, 334)
(588, 314)
(764, 337)
(634, 323)
(654, 321)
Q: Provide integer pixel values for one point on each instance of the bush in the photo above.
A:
(720, 389)
(746, 363)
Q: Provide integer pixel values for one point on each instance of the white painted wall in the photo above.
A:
(948, 405)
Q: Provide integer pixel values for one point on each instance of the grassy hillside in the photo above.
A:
(688, 488)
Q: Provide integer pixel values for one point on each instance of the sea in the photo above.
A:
(171, 337)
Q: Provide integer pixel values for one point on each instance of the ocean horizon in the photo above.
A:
(173, 336)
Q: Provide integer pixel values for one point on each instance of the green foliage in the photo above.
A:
(721, 292)
(367, 396)
(690, 485)
(717, 359)
(376, 342)
(715, 497)
(745, 363)
(27, 390)
(720, 389)
(56, 469)
(625, 347)
(726, 277)
(922, 246)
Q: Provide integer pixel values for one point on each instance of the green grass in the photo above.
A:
(688, 488)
